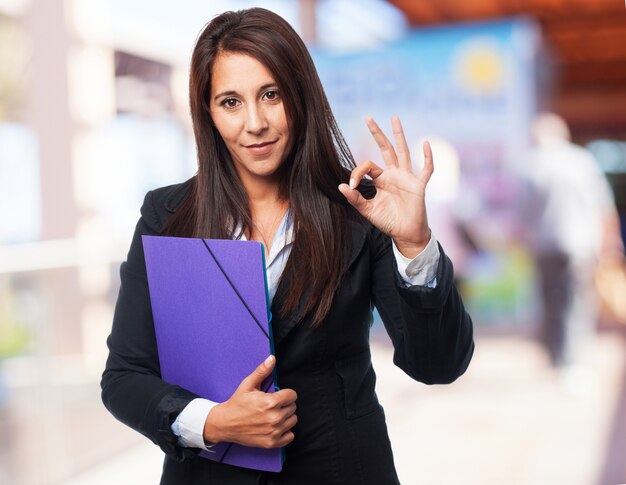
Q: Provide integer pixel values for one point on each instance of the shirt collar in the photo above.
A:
(284, 236)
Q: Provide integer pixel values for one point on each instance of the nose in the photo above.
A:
(256, 120)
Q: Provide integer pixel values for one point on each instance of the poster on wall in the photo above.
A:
(470, 89)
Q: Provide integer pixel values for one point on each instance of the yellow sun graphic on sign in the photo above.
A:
(480, 67)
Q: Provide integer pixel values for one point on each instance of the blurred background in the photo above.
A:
(94, 112)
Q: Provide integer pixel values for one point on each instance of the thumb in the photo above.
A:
(354, 197)
(258, 375)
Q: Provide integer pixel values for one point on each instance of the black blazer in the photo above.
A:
(341, 435)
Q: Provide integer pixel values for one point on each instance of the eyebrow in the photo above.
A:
(232, 93)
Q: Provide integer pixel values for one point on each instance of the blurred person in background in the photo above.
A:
(273, 167)
(572, 226)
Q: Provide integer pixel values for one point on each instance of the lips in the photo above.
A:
(259, 145)
(261, 148)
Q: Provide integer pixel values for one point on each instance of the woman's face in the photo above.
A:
(248, 111)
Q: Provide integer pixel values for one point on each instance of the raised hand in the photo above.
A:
(252, 417)
(399, 208)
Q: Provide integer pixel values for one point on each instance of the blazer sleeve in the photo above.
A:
(430, 330)
(132, 388)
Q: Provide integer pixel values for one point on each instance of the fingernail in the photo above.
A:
(268, 362)
(352, 183)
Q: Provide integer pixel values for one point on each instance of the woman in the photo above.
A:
(273, 167)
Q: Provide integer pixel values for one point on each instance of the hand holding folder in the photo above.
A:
(212, 324)
(252, 416)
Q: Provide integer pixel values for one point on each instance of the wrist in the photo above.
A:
(411, 249)
(211, 433)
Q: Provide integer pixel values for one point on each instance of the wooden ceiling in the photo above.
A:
(587, 39)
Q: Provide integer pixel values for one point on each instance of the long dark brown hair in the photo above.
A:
(318, 162)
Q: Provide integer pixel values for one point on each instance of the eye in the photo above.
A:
(230, 103)
(272, 95)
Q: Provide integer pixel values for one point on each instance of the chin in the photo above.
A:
(267, 170)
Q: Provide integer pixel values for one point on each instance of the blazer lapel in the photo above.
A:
(281, 327)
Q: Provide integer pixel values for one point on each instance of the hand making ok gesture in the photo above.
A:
(399, 208)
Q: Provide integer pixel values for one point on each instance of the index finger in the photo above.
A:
(385, 146)
(285, 397)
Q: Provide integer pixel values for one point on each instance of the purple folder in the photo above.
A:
(210, 308)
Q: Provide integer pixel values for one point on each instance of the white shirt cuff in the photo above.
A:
(422, 269)
(189, 424)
